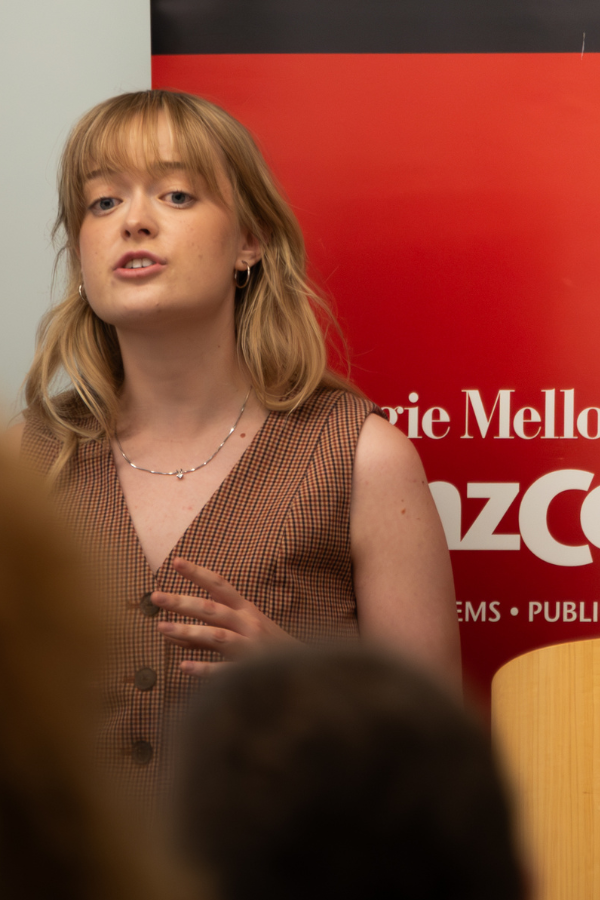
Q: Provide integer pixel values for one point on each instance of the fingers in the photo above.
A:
(206, 610)
(203, 637)
(201, 669)
(233, 626)
(217, 586)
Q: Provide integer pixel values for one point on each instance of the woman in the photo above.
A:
(244, 493)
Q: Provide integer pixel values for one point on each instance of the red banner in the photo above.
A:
(451, 205)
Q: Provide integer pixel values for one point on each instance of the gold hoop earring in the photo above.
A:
(82, 293)
(236, 273)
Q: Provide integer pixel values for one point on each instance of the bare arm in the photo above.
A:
(402, 574)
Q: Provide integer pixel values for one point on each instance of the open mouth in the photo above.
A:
(136, 265)
(139, 263)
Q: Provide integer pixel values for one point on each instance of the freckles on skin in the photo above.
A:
(221, 244)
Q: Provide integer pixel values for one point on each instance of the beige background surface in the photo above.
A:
(57, 58)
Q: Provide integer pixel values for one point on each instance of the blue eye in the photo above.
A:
(179, 198)
(104, 204)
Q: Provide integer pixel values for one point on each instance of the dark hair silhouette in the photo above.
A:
(343, 774)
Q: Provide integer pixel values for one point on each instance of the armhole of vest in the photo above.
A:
(363, 408)
(355, 411)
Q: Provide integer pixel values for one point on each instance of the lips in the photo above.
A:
(138, 264)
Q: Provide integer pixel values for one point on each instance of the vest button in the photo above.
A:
(142, 753)
(147, 606)
(145, 679)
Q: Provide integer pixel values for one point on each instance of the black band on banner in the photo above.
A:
(375, 26)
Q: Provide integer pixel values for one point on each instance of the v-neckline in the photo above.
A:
(126, 514)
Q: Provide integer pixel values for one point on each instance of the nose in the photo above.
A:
(139, 220)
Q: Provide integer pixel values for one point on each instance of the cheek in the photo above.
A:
(215, 251)
(223, 237)
(89, 250)
(84, 245)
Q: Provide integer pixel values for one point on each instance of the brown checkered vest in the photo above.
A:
(278, 528)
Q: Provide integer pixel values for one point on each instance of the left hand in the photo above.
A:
(233, 626)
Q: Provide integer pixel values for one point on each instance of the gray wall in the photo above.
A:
(57, 58)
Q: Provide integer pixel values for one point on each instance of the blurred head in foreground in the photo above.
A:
(343, 774)
(60, 834)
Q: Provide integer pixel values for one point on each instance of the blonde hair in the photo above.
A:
(282, 323)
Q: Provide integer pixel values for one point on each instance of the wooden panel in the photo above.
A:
(546, 724)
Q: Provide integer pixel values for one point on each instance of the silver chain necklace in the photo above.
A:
(181, 472)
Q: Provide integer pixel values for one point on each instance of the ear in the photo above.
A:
(249, 251)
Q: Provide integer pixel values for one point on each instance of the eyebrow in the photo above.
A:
(161, 164)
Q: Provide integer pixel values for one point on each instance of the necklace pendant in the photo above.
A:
(180, 472)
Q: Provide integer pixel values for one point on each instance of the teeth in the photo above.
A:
(139, 263)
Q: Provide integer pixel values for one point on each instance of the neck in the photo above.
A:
(179, 382)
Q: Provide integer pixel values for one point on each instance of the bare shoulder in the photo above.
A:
(13, 439)
(389, 484)
(402, 574)
(383, 449)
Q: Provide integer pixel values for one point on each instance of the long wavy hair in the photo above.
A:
(282, 324)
